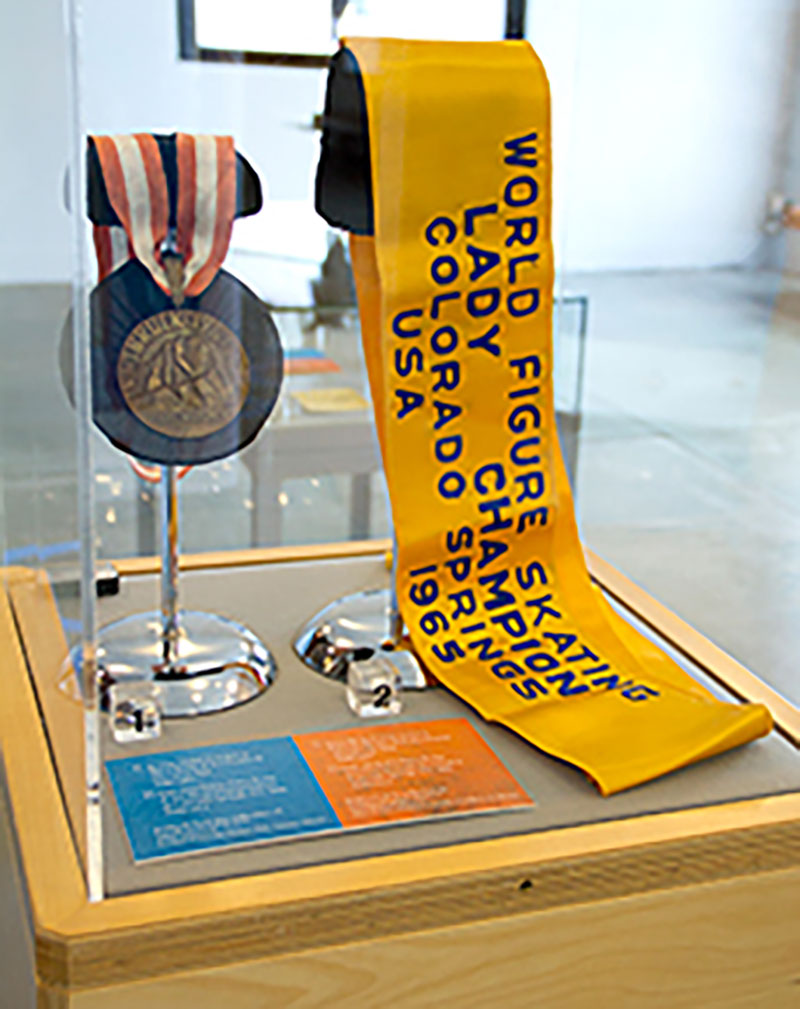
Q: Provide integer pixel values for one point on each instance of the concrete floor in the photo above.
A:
(688, 468)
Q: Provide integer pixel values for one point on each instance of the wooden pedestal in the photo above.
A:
(697, 907)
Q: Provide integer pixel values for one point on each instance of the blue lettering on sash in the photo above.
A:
(537, 478)
(521, 365)
(543, 610)
(499, 597)
(517, 261)
(460, 540)
(518, 426)
(441, 222)
(518, 307)
(517, 456)
(490, 551)
(483, 261)
(465, 601)
(413, 361)
(529, 689)
(472, 213)
(444, 270)
(485, 342)
(561, 641)
(424, 593)
(475, 306)
(529, 186)
(449, 449)
(485, 654)
(484, 471)
(452, 485)
(532, 573)
(541, 662)
(530, 518)
(400, 318)
(445, 412)
(409, 401)
(452, 651)
(524, 231)
(438, 344)
(507, 670)
(460, 567)
(497, 602)
(523, 151)
(434, 621)
(512, 623)
(640, 693)
(494, 507)
(566, 684)
(448, 375)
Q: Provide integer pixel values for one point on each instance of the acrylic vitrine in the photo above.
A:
(230, 769)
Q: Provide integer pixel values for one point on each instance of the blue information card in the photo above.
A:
(218, 796)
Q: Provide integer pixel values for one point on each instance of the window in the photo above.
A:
(304, 32)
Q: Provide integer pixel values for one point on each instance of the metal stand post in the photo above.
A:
(191, 662)
(169, 566)
(395, 619)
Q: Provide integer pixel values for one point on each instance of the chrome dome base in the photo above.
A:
(356, 627)
(219, 665)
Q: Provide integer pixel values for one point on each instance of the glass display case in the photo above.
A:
(306, 398)
(311, 475)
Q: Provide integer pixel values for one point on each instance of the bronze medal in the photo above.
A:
(183, 373)
(181, 385)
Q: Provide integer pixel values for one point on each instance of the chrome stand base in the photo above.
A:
(355, 627)
(219, 663)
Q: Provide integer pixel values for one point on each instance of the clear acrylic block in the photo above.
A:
(135, 711)
(373, 688)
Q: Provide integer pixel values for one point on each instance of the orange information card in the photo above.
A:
(408, 771)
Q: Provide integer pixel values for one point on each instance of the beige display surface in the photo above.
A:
(676, 893)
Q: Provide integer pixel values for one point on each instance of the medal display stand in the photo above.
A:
(182, 374)
(186, 661)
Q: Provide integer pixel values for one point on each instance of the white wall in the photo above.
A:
(665, 117)
(33, 127)
(671, 147)
(133, 81)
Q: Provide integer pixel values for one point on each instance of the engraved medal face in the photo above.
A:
(181, 386)
(184, 373)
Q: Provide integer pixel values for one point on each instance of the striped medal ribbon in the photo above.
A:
(136, 183)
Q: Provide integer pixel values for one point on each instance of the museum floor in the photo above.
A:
(688, 474)
(689, 467)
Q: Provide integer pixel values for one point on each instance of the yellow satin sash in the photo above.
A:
(455, 297)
